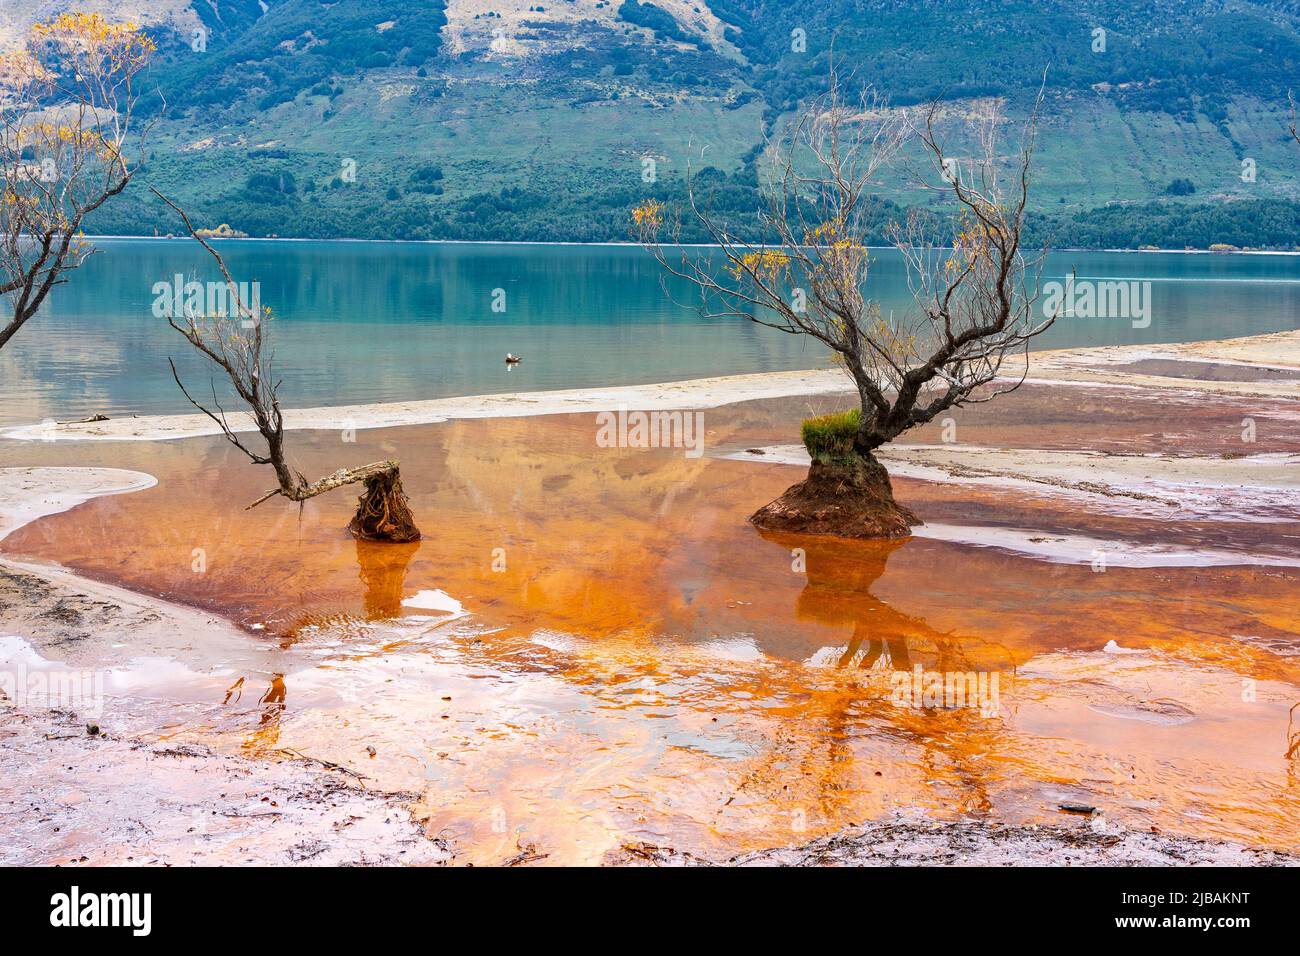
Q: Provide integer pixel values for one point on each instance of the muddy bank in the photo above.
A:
(80, 788)
(979, 844)
(76, 798)
(84, 623)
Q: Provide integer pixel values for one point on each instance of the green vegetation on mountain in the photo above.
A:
(322, 118)
(1181, 57)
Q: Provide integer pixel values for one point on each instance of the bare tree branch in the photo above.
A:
(974, 299)
(235, 344)
(67, 100)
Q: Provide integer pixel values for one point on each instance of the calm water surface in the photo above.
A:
(373, 322)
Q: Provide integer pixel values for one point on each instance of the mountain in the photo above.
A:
(531, 119)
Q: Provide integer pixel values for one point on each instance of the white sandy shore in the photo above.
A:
(1093, 367)
(1250, 488)
(1104, 366)
(32, 493)
(695, 394)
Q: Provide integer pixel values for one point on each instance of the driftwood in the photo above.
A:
(383, 512)
(235, 344)
(344, 476)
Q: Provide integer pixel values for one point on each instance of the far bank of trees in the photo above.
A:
(277, 201)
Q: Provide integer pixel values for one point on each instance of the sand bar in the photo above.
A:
(1092, 366)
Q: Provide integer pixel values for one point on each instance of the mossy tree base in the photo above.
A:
(845, 497)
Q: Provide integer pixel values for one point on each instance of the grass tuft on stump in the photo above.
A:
(830, 437)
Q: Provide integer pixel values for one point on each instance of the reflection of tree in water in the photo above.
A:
(273, 699)
(840, 576)
(381, 568)
(383, 572)
(267, 733)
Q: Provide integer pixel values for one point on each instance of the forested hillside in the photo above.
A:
(1164, 122)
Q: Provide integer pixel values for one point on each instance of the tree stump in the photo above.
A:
(846, 497)
(383, 511)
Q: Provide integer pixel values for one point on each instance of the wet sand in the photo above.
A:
(90, 778)
(107, 800)
(637, 666)
(977, 844)
(32, 493)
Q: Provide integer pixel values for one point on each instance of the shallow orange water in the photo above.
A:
(638, 663)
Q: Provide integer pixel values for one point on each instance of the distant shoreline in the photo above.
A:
(633, 245)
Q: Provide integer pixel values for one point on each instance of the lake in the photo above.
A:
(374, 322)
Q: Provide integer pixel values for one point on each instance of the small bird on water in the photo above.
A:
(512, 359)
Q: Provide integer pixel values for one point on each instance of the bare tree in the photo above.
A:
(974, 298)
(67, 99)
(235, 342)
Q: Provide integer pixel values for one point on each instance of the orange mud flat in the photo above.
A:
(592, 648)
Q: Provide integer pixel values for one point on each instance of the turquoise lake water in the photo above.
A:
(373, 322)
